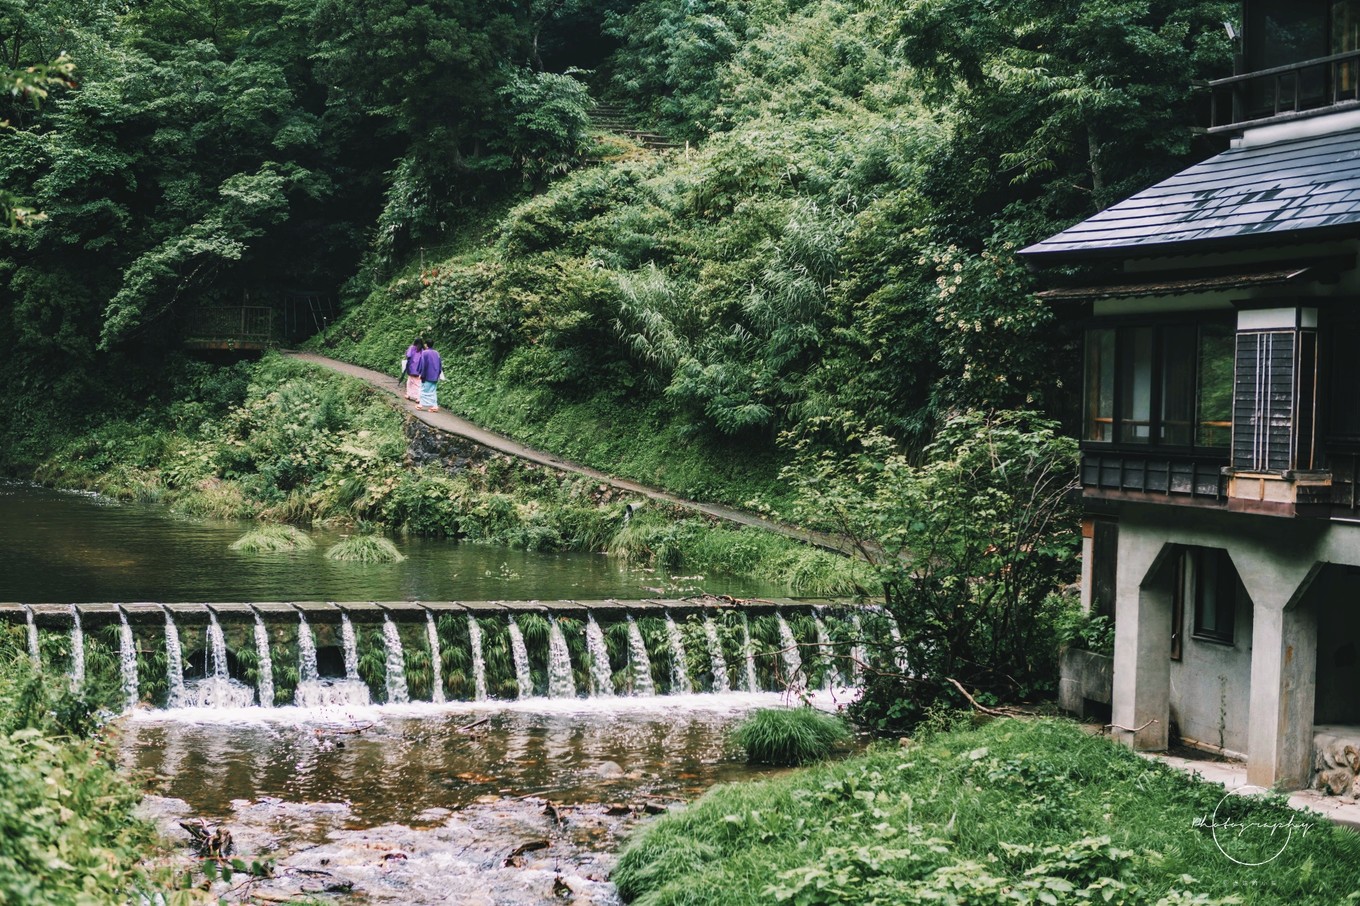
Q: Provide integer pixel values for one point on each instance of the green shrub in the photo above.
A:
(272, 539)
(365, 549)
(790, 736)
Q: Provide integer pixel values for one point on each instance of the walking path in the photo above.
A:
(452, 424)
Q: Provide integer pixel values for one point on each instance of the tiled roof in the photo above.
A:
(1289, 187)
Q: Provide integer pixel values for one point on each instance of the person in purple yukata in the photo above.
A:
(430, 371)
(410, 367)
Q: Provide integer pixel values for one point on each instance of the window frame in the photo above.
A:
(1197, 322)
(1199, 567)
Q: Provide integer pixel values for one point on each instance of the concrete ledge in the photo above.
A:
(1084, 676)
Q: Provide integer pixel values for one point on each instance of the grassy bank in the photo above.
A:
(283, 442)
(1011, 812)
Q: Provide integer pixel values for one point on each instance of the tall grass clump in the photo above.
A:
(272, 539)
(365, 549)
(790, 736)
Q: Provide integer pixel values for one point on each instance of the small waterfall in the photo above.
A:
(793, 664)
(715, 654)
(859, 655)
(77, 651)
(33, 653)
(748, 655)
(174, 663)
(218, 689)
(560, 682)
(637, 656)
(264, 664)
(396, 664)
(351, 649)
(314, 692)
(826, 653)
(600, 673)
(306, 652)
(521, 655)
(899, 656)
(436, 667)
(679, 672)
(478, 659)
(127, 659)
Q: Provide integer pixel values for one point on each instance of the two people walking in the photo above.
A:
(423, 369)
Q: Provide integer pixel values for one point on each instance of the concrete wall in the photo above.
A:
(1209, 684)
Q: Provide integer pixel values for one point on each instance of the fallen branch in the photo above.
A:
(475, 723)
(994, 712)
(1131, 729)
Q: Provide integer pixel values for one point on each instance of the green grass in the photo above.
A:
(1033, 811)
(273, 539)
(790, 736)
(365, 549)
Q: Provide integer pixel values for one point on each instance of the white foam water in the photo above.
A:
(127, 659)
(831, 678)
(793, 664)
(436, 664)
(478, 659)
(601, 676)
(174, 663)
(715, 655)
(523, 676)
(264, 684)
(560, 681)
(679, 671)
(218, 689)
(748, 656)
(396, 663)
(34, 654)
(306, 651)
(350, 648)
(641, 663)
(77, 651)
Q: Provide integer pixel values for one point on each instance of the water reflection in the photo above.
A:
(391, 768)
(78, 548)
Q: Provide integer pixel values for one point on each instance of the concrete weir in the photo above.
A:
(352, 653)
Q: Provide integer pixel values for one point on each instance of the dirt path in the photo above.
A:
(452, 424)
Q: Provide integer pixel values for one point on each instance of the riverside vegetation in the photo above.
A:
(814, 310)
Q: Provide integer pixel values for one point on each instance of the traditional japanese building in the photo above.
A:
(1220, 448)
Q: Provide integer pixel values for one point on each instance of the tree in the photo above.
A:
(970, 544)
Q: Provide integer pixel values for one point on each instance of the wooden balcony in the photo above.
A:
(1282, 93)
(1153, 476)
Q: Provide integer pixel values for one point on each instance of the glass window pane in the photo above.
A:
(1135, 385)
(1217, 344)
(1178, 386)
(1099, 385)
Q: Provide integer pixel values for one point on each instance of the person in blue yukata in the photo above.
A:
(431, 370)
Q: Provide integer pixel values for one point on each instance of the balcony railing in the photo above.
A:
(1306, 88)
(1120, 473)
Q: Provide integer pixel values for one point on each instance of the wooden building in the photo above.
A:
(1221, 438)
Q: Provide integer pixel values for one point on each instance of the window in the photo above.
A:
(1208, 587)
(1282, 32)
(1168, 385)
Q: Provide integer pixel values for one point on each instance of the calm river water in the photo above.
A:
(490, 803)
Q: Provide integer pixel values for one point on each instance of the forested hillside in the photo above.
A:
(833, 248)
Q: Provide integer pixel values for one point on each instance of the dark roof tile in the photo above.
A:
(1285, 188)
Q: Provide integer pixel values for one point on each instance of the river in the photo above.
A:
(490, 802)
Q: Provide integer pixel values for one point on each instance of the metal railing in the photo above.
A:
(1283, 92)
(236, 326)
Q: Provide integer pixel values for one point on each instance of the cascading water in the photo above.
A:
(831, 678)
(679, 672)
(523, 676)
(77, 651)
(396, 664)
(642, 664)
(715, 654)
(174, 663)
(306, 652)
(351, 649)
(218, 689)
(793, 664)
(748, 655)
(859, 655)
(127, 659)
(265, 664)
(899, 655)
(600, 674)
(478, 659)
(436, 667)
(315, 692)
(560, 682)
(34, 654)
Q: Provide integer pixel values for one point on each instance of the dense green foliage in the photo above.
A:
(1023, 812)
(970, 544)
(65, 813)
(790, 736)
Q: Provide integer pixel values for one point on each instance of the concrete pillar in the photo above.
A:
(1142, 645)
(1284, 656)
